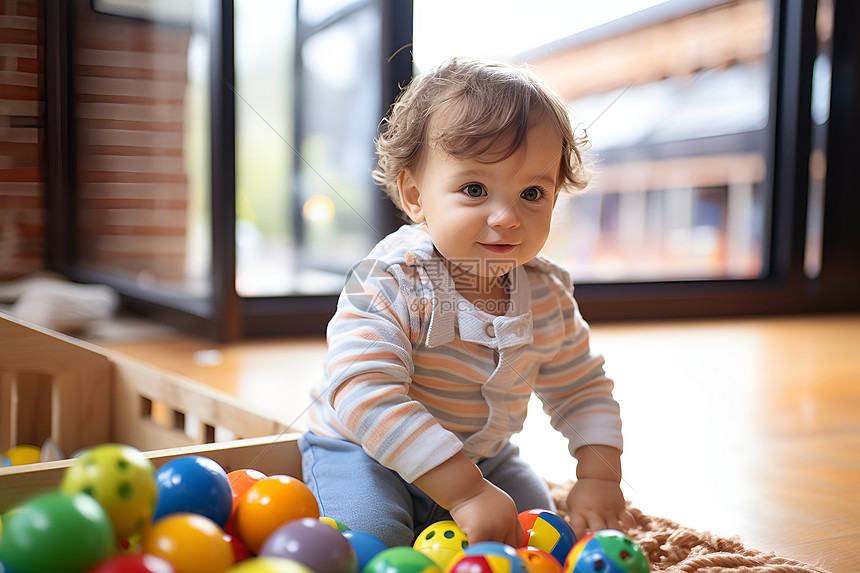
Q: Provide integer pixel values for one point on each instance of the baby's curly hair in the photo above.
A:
(465, 108)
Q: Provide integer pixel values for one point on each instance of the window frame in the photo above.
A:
(785, 288)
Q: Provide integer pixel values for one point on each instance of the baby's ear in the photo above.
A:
(410, 196)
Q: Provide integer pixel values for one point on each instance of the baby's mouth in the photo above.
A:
(498, 247)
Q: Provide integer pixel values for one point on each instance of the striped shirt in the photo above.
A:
(416, 373)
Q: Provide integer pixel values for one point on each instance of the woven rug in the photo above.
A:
(673, 548)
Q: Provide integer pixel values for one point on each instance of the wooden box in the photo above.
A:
(79, 395)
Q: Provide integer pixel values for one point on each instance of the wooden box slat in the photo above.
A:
(272, 455)
(79, 395)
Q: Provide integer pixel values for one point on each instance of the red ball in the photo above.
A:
(471, 564)
(240, 550)
(141, 563)
(240, 481)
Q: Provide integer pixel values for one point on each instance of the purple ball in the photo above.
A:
(313, 543)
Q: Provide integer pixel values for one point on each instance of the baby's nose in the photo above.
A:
(504, 215)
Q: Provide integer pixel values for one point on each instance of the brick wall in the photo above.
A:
(22, 118)
(132, 188)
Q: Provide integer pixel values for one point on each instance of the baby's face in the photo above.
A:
(486, 218)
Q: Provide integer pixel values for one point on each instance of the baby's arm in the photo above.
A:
(483, 511)
(595, 502)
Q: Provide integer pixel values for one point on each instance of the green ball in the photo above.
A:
(402, 559)
(56, 532)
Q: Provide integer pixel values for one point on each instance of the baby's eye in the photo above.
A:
(532, 193)
(473, 190)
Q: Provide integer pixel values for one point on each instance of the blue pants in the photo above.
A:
(364, 495)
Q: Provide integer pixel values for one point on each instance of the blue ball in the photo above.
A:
(517, 565)
(194, 484)
(366, 546)
(490, 548)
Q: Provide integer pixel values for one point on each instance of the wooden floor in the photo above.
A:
(740, 427)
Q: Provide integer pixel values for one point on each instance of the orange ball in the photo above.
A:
(538, 561)
(240, 481)
(192, 543)
(268, 504)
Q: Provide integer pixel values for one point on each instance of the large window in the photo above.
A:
(214, 157)
(675, 100)
(309, 97)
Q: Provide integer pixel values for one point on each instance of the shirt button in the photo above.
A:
(491, 332)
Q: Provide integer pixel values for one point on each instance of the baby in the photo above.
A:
(449, 325)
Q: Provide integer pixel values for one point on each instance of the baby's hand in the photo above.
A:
(489, 514)
(595, 504)
(483, 511)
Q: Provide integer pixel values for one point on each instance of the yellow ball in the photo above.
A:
(190, 542)
(121, 480)
(441, 542)
(24, 454)
(269, 565)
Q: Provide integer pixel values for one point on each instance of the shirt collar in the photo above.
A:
(450, 311)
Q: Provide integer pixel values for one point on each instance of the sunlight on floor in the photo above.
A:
(737, 427)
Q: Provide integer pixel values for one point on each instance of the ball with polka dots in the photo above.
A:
(121, 480)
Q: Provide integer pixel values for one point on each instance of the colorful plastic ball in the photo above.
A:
(270, 503)
(547, 531)
(441, 542)
(134, 563)
(194, 484)
(502, 558)
(401, 559)
(479, 564)
(56, 532)
(50, 451)
(24, 454)
(366, 546)
(539, 561)
(240, 481)
(240, 550)
(492, 548)
(190, 542)
(334, 523)
(122, 480)
(312, 543)
(606, 551)
(269, 565)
